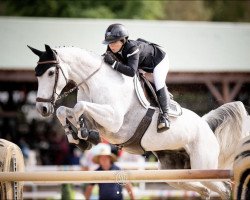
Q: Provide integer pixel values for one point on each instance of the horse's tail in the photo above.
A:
(230, 123)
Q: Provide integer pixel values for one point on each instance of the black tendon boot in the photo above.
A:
(82, 145)
(164, 100)
(94, 137)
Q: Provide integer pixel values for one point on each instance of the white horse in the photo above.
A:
(108, 102)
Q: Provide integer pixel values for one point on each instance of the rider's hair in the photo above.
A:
(124, 40)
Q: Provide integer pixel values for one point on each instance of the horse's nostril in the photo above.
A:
(44, 109)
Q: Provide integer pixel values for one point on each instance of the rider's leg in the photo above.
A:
(163, 98)
(160, 73)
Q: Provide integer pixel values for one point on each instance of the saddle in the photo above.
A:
(147, 96)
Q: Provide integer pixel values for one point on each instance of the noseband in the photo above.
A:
(52, 99)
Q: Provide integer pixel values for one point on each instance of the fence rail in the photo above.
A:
(119, 176)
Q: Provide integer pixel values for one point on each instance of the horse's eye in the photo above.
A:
(51, 73)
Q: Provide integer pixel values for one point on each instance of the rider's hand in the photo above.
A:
(109, 59)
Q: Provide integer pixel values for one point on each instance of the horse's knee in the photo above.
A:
(79, 108)
(60, 112)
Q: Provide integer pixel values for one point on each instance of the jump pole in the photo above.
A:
(119, 176)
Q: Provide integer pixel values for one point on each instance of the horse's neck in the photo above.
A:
(81, 70)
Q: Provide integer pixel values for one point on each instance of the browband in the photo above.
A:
(48, 62)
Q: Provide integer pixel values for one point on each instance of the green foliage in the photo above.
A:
(187, 10)
(143, 10)
(98, 12)
(192, 10)
(233, 10)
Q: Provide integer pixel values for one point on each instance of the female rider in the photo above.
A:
(128, 56)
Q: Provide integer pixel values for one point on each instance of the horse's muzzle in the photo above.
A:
(45, 109)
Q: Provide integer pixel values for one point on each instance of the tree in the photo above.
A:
(192, 10)
(84, 8)
(231, 11)
(187, 10)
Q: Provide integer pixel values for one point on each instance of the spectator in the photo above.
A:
(107, 191)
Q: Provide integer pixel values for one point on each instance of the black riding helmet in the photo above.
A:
(114, 33)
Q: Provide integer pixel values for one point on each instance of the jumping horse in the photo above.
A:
(107, 102)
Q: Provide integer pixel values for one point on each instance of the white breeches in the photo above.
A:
(160, 73)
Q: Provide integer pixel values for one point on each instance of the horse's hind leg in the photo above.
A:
(180, 160)
(193, 186)
(206, 157)
(220, 188)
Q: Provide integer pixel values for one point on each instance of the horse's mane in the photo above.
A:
(76, 54)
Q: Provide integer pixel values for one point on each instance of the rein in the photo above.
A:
(52, 99)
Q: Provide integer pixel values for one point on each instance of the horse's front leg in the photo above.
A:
(65, 115)
(103, 114)
(83, 132)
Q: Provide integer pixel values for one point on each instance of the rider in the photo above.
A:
(128, 56)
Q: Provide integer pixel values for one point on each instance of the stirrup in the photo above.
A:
(163, 123)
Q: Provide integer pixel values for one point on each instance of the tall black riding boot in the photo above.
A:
(164, 100)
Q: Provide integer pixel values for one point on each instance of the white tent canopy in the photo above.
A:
(192, 46)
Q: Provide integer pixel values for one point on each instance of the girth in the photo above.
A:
(133, 145)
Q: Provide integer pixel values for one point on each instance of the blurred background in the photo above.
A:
(208, 43)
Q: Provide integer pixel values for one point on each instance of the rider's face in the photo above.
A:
(115, 46)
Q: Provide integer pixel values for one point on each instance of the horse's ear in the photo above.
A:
(35, 51)
(50, 51)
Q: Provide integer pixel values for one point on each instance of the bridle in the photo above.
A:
(52, 99)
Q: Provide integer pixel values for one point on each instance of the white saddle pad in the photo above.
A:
(175, 108)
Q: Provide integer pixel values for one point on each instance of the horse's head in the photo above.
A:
(51, 80)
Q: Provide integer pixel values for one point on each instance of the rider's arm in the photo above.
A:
(131, 67)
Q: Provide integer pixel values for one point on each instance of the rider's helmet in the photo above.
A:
(115, 32)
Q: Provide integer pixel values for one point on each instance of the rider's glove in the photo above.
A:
(109, 59)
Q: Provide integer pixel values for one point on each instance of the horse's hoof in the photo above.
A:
(226, 195)
(205, 194)
(94, 137)
(84, 145)
(83, 133)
